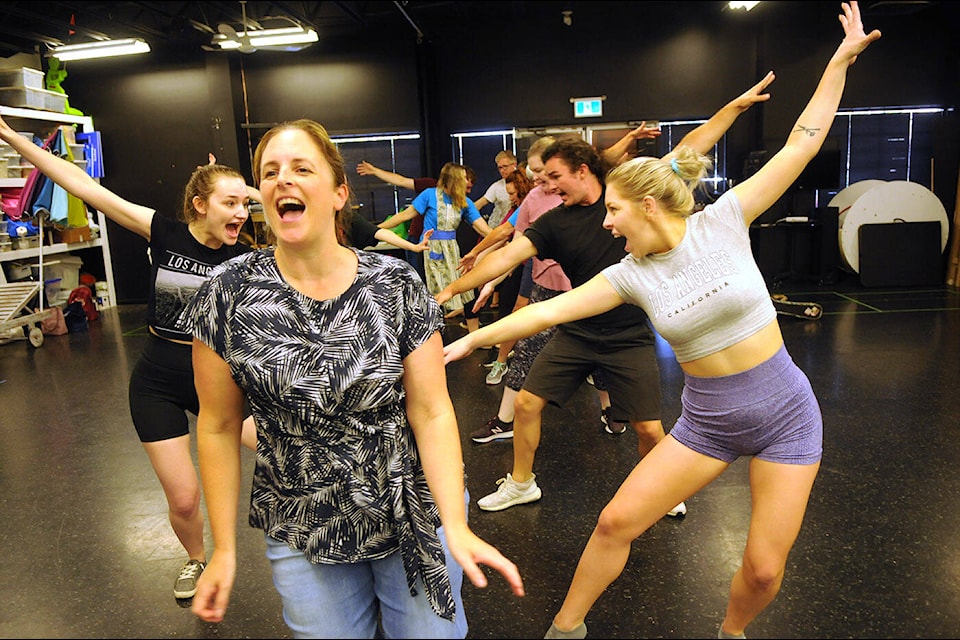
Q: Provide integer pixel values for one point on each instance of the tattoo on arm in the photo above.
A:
(809, 131)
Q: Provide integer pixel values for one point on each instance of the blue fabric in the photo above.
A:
(426, 205)
(44, 200)
(12, 226)
(59, 199)
(347, 600)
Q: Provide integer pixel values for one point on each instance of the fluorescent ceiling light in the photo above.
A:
(742, 5)
(268, 37)
(100, 49)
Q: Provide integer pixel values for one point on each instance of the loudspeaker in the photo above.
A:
(900, 254)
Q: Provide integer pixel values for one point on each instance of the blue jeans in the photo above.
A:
(349, 600)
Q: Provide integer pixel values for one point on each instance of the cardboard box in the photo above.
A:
(71, 234)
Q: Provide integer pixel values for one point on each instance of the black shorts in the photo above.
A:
(161, 390)
(630, 371)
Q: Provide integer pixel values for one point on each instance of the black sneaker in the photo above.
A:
(495, 429)
(611, 427)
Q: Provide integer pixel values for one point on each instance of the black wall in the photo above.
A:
(162, 113)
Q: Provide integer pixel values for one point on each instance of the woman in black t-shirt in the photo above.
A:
(161, 387)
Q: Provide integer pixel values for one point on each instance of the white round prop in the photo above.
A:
(895, 201)
(846, 197)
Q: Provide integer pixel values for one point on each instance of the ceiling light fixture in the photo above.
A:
(99, 49)
(267, 38)
(742, 5)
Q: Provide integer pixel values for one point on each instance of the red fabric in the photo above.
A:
(84, 296)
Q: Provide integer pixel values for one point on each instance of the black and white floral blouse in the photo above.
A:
(338, 474)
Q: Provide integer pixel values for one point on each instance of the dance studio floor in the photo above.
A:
(87, 550)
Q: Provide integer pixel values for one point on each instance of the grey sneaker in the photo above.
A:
(511, 493)
(497, 372)
(575, 634)
(186, 584)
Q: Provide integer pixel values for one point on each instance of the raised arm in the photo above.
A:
(75, 180)
(704, 137)
(367, 169)
(760, 191)
(619, 151)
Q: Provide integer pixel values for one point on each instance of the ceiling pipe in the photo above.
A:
(410, 20)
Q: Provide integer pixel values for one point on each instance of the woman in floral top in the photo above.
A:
(358, 460)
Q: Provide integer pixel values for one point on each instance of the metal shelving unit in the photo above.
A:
(36, 120)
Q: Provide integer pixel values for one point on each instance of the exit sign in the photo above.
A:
(587, 107)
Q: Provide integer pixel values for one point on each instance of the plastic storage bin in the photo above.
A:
(33, 98)
(22, 77)
(65, 267)
(51, 288)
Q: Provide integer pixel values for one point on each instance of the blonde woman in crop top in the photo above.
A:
(696, 278)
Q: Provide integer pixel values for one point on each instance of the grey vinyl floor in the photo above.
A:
(86, 550)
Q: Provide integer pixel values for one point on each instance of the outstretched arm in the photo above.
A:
(390, 237)
(592, 298)
(760, 191)
(619, 151)
(480, 226)
(367, 169)
(75, 180)
(497, 236)
(500, 261)
(407, 214)
(703, 138)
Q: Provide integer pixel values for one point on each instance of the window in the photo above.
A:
(886, 144)
(865, 144)
(881, 144)
(397, 153)
(478, 150)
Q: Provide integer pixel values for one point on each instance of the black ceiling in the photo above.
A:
(33, 27)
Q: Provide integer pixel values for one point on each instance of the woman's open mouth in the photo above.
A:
(290, 208)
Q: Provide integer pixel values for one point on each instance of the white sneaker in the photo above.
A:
(497, 372)
(679, 510)
(509, 493)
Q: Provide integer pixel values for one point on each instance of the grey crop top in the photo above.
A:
(706, 293)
